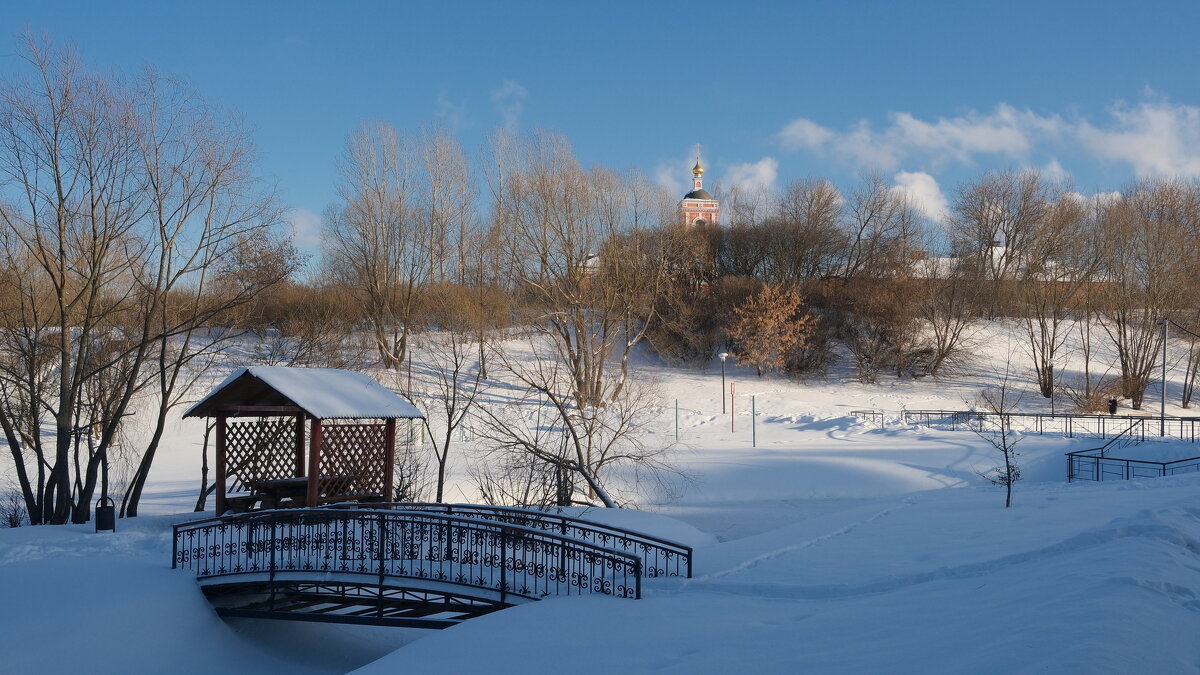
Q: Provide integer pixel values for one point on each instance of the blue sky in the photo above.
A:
(928, 93)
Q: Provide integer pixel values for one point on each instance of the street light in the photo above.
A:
(1162, 405)
(723, 356)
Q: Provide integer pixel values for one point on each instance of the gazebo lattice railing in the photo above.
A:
(258, 450)
(357, 454)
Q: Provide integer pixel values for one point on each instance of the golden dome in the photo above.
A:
(697, 170)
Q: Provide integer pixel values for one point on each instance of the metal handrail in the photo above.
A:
(1099, 457)
(660, 557)
(1068, 424)
(1076, 460)
(872, 415)
(1125, 438)
(489, 555)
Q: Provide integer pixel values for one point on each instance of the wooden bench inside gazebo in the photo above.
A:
(302, 437)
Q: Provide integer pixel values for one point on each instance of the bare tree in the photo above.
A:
(12, 509)
(1191, 371)
(991, 223)
(303, 325)
(211, 245)
(411, 483)
(803, 240)
(881, 229)
(588, 270)
(1001, 400)
(879, 321)
(588, 442)
(521, 479)
(947, 303)
(1145, 235)
(744, 206)
(1058, 263)
(372, 236)
(67, 142)
(120, 196)
(453, 376)
(686, 326)
(447, 205)
(589, 274)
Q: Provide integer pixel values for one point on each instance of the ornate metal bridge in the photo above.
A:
(416, 565)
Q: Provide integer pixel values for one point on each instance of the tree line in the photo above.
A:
(900, 292)
(583, 265)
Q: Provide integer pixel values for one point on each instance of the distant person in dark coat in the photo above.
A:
(1112, 406)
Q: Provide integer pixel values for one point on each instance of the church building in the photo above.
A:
(698, 206)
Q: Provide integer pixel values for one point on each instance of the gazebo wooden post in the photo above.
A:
(389, 461)
(300, 444)
(220, 506)
(314, 465)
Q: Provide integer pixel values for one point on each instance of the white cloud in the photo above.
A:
(306, 228)
(805, 133)
(1096, 198)
(924, 191)
(1154, 138)
(754, 176)
(449, 112)
(665, 177)
(1054, 171)
(1006, 131)
(675, 175)
(509, 100)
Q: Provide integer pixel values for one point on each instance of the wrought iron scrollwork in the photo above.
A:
(660, 557)
(485, 554)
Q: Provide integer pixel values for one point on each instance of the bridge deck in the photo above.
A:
(348, 603)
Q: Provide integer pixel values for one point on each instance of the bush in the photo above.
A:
(769, 326)
(12, 509)
(1093, 400)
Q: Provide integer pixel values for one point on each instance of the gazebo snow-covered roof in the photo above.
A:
(274, 461)
(322, 393)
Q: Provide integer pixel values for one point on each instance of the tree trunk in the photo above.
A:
(133, 495)
(202, 499)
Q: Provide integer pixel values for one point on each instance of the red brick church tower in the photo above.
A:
(698, 206)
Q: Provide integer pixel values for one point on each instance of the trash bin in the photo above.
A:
(106, 515)
(1112, 406)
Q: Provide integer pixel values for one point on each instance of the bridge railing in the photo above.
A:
(660, 557)
(507, 559)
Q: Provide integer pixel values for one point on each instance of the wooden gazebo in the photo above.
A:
(317, 435)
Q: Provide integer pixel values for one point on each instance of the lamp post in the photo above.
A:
(723, 356)
(1162, 405)
(1052, 388)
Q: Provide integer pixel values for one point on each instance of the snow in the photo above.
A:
(77, 601)
(325, 393)
(827, 544)
(940, 581)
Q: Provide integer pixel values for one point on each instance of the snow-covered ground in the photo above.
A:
(827, 544)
